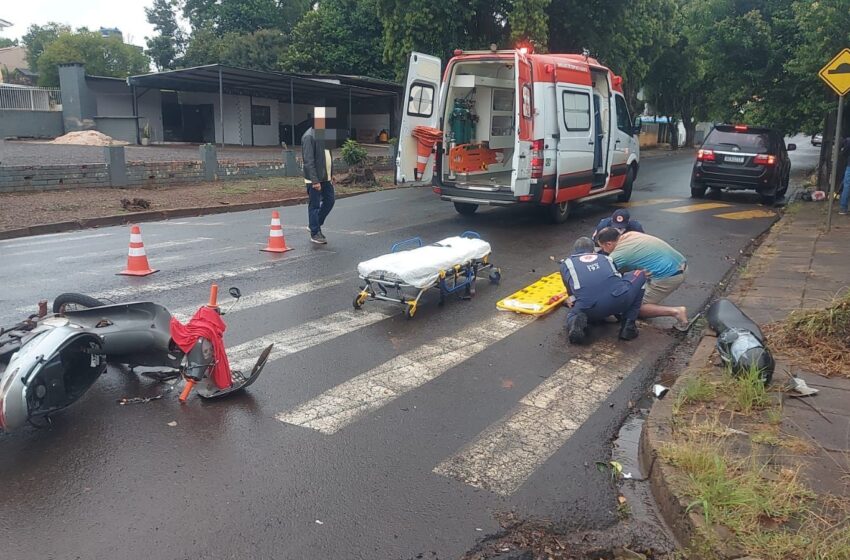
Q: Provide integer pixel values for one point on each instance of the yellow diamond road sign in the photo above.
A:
(837, 72)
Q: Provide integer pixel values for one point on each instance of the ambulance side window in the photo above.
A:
(421, 100)
(576, 110)
(624, 121)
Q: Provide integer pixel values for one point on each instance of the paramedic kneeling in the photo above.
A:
(598, 291)
(664, 266)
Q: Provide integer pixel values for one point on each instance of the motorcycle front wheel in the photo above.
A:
(74, 302)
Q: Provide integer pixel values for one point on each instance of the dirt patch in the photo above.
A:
(88, 138)
(21, 210)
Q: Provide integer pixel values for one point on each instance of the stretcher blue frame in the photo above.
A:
(460, 277)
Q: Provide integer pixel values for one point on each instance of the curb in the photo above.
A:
(657, 431)
(156, 215)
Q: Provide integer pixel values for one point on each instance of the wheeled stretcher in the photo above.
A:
(410, 269)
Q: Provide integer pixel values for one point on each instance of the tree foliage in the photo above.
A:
(340, 37)
(39, 37)
(257, 51)
(101, 57)
(244, 16)
(167, 46)
(6, 42)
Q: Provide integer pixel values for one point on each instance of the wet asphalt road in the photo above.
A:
(230, 480)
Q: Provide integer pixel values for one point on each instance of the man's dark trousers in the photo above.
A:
(320, 205)
(626, 304)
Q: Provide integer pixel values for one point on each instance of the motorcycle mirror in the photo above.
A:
(234, 292)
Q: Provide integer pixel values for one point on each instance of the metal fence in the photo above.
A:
(30, 98)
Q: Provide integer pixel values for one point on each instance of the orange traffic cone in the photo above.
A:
(426, 138)
(277, 243)
(137, 261)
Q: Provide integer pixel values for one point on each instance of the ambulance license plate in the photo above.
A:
(734, 159)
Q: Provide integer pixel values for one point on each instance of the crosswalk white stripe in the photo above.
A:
(504, 455)
(147, 291)
(51, 239)
(257, 299)
(341, 405)
(303, 336)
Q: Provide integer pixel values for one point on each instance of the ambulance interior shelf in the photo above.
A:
(466, 155)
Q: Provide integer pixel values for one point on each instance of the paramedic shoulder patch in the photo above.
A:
(588, 258)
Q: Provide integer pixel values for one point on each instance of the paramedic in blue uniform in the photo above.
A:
(598, 291)
(620, 220)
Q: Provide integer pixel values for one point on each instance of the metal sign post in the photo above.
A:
(836, 74)
(834, 174)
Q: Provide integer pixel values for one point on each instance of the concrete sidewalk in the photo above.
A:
(798, 266)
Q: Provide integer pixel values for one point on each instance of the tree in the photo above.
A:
(6, 42)
(244, 16)
(529, 21)
(438, 27)
(257, 51)
(351, 40)
(39, 37)
(625, 35)
(674, 83)
(101, 57)
(165, 48)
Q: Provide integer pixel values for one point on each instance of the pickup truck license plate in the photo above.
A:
(734, 159)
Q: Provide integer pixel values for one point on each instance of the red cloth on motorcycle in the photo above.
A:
(205, 323)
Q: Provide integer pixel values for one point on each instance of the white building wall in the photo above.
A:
(150, 112)
(266, 135)
(237, 115)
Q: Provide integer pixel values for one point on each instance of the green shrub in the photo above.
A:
(353, 153)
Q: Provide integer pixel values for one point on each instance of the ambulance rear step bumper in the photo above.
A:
(479, 201)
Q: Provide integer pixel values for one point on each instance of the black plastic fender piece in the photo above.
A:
(740, 342)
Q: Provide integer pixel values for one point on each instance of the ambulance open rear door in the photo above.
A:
(421, 107)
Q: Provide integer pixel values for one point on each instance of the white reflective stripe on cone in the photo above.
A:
(275, 221)
(135, 238)
(136, 252)
(276, 233)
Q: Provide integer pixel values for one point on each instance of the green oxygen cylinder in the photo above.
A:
(461, 121)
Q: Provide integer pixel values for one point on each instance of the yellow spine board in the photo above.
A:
(538, 298)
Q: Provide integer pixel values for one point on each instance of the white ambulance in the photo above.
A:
(516, 127)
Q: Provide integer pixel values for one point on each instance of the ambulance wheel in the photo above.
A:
(558, 213)
(465, 208)
(626, 193)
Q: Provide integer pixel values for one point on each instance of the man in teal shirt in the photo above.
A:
(665, 266)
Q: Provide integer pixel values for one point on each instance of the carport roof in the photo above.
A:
(242, 81)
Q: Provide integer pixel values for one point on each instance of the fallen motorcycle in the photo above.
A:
(49, 361)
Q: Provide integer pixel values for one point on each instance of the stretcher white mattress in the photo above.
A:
(421, 267)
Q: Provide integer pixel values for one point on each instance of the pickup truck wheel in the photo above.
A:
(558, 213)
(465, 208)
(626, 194)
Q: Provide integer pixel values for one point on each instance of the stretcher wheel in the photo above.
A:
(495, 276)
(410, 310)
(360, 299)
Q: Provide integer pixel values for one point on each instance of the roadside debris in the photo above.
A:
(172, 423)
(659, 390)
(135, 204)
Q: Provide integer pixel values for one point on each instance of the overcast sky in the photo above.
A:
(126, 15)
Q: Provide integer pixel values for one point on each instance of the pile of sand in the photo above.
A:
(88, 138)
